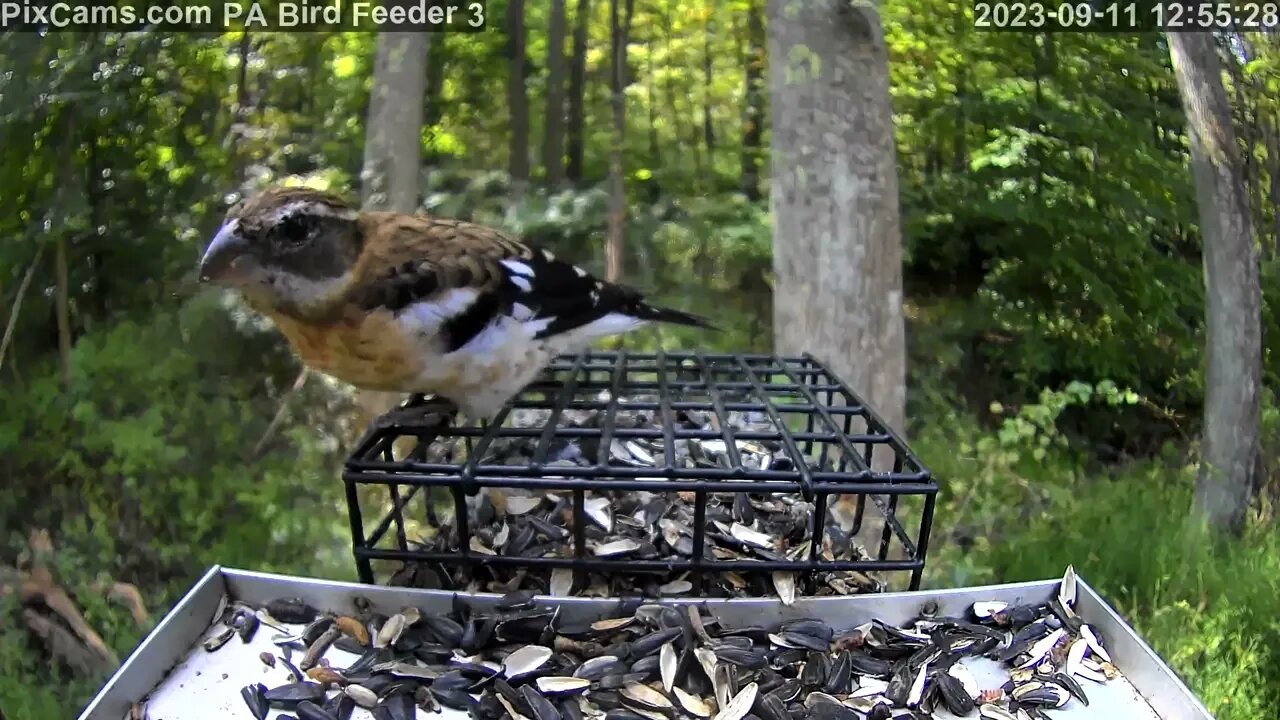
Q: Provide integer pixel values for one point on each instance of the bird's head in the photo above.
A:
(288, 249)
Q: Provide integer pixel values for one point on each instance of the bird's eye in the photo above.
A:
(293, 231)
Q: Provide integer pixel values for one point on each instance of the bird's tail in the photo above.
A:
(645, 311)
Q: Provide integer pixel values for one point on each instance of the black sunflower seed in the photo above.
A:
(839, 676)
(541, 708)
(293, 693)
(292, 611)
(748, 659)
(308, 710)
(255, 697)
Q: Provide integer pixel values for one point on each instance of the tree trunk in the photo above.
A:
(618, 28)
(577, 91)
(393, 142)
(754, 110)
(1244, 101)
(553, 139)
(837, 237)
(517, 95)
(1233, 353)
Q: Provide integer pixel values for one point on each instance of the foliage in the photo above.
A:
(142, 468)
(1054, 191)
(142, 438)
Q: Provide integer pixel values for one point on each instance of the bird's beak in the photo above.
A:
(227, 259)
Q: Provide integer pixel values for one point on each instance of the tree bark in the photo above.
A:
(393, 133)
(619, 25)
(1247, 123)
(517, 94)
(1233, 352)
(393, 143)
(577, 92)
(834, 196)
(553, 138)
(753, 109)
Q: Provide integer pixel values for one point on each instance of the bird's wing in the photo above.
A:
(458, 277)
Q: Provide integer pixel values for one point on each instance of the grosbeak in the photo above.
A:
(413, 303)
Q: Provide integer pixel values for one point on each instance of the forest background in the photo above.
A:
(1052, 266)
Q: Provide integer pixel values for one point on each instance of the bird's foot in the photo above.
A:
(417, 412)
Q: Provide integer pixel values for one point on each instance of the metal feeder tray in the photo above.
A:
(180, 681)
(826, 432)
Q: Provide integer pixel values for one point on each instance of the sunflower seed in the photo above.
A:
(668, 662)
(562, 685)
(526, 660)
(1067, 589)
(693, 704)
(645, 697)
(738, 706)
(1095, 647)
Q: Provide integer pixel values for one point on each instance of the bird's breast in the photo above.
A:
(368, 350)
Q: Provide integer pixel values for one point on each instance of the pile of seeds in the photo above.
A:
(522, 661)
(642, 525)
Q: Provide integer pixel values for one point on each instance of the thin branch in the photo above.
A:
(280, 413)
(17, 302)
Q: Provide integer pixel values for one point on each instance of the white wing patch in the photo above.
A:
(522, 283)
(427, 316)
(502, 358)
(498, 338)
(612, 324)
(537, 326)
(518, 267)
(483, 374)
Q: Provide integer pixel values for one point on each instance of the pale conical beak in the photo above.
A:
(227, 259)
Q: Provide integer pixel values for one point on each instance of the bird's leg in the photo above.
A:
(419, 411)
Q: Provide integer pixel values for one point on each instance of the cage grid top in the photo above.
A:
(700, 426)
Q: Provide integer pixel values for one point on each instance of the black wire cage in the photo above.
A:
(715, 471)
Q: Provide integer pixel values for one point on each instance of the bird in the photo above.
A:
(414, 303)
